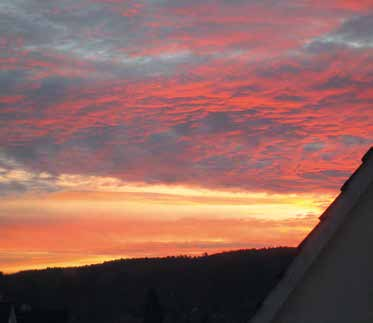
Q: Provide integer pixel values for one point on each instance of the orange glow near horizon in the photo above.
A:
(72, 228)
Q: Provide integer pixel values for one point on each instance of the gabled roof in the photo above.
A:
(330, 221)
(5, 312)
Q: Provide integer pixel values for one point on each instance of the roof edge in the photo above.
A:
(330, 221)
(368, 155)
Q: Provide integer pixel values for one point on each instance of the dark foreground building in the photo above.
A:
(331, 279)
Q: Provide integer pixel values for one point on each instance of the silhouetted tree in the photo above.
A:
(153, 310)
(205, 318)
(2, 279)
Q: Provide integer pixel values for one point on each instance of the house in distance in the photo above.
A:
(331, 278)
(7, 313)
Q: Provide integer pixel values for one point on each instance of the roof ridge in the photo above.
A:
(310, 248)
(364, 160)
(367, 155)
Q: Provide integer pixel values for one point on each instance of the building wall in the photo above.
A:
(338, 288)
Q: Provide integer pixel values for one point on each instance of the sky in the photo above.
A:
(140, 128)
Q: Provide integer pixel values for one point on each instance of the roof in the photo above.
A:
(5, 312)
(330, 221)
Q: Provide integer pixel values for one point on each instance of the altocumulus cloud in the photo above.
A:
(227, 95)
(148, 128)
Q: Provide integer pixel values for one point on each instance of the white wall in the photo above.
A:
(338, 288)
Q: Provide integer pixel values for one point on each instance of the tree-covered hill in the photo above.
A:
(225, 287)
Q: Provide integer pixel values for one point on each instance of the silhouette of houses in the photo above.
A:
(7, 313)
(42, 316)
(153, 310)
(331, 279)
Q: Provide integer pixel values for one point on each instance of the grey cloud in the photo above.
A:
(184, 129)
(12, 80)
(218, 122)
(16, 179)
(355, 32)
(50, 91)
(347, 97)
(164, 143)
(340, 82)
(290, 98)
(276, 71)
(244, 91)
(216, 164)
(95, 138)
(87, 31)
(87, 151)
(350, 140)
(38, 154)
(12, 188)
(313, 146)
(325, 175)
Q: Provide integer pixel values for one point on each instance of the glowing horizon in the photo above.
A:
(147, 221)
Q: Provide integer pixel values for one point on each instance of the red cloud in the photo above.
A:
(221, 125)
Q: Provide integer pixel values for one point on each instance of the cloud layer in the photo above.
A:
(209, 94)
(243, 96)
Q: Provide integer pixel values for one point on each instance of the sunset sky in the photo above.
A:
(168, 127)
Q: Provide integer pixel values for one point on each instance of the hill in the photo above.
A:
(224, 287)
